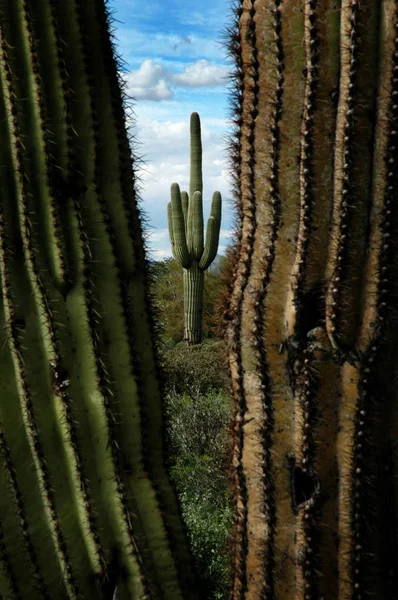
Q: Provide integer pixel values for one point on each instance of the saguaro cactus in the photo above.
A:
(86, 507)
(185, 217)
(313, 314)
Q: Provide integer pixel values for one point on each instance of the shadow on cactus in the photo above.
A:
(185, 217)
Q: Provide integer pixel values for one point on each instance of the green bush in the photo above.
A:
(200, 452)
(194, 370)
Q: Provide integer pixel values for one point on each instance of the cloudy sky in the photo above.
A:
(175, 65)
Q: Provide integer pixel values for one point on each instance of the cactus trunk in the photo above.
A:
(193, 303)
(86, 507)
(313, 312)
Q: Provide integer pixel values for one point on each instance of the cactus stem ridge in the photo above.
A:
(41, 161)
(20, 509)
(343, 196)
(8, 573)
(306, 149)
(259, 312)
(250, 91)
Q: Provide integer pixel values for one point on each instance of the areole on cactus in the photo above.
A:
(313, 309)
(185, 219)
(86, 507)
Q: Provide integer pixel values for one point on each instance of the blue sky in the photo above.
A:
(175, 65)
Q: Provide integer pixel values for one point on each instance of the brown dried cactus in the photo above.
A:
(312, 319)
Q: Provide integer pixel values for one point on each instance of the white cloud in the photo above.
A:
(153, 81)
(149, 82)
(202, 73)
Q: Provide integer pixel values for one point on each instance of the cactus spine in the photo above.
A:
(185, 218)
(86, 507)
(313, 312)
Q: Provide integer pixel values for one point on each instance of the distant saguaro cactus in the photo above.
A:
(86, 507)
(185, 218)
(313, 315)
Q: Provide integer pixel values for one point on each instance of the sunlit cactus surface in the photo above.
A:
(312, 314)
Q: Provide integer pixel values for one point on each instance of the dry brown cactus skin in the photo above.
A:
(312, 318)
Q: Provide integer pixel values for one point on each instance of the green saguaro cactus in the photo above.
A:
(86, 507)
(185, 219)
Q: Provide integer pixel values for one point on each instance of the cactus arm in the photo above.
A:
(196, 180)
(184, 204)
(170, 227)
(197, 226)
(210, 250)
(216, 207)
(178, 222)
(212, 233)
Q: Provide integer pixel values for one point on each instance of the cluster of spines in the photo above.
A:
(14, 341)
(306, 150)
(371, 357)
(344, 210)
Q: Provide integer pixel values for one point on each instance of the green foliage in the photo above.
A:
(194, 370)
(200, 454)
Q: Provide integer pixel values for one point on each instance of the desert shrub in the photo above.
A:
(194, 370)
(200, 452)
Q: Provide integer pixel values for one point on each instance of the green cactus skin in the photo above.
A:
(312, 319)
(86, 505)
(185, 219)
